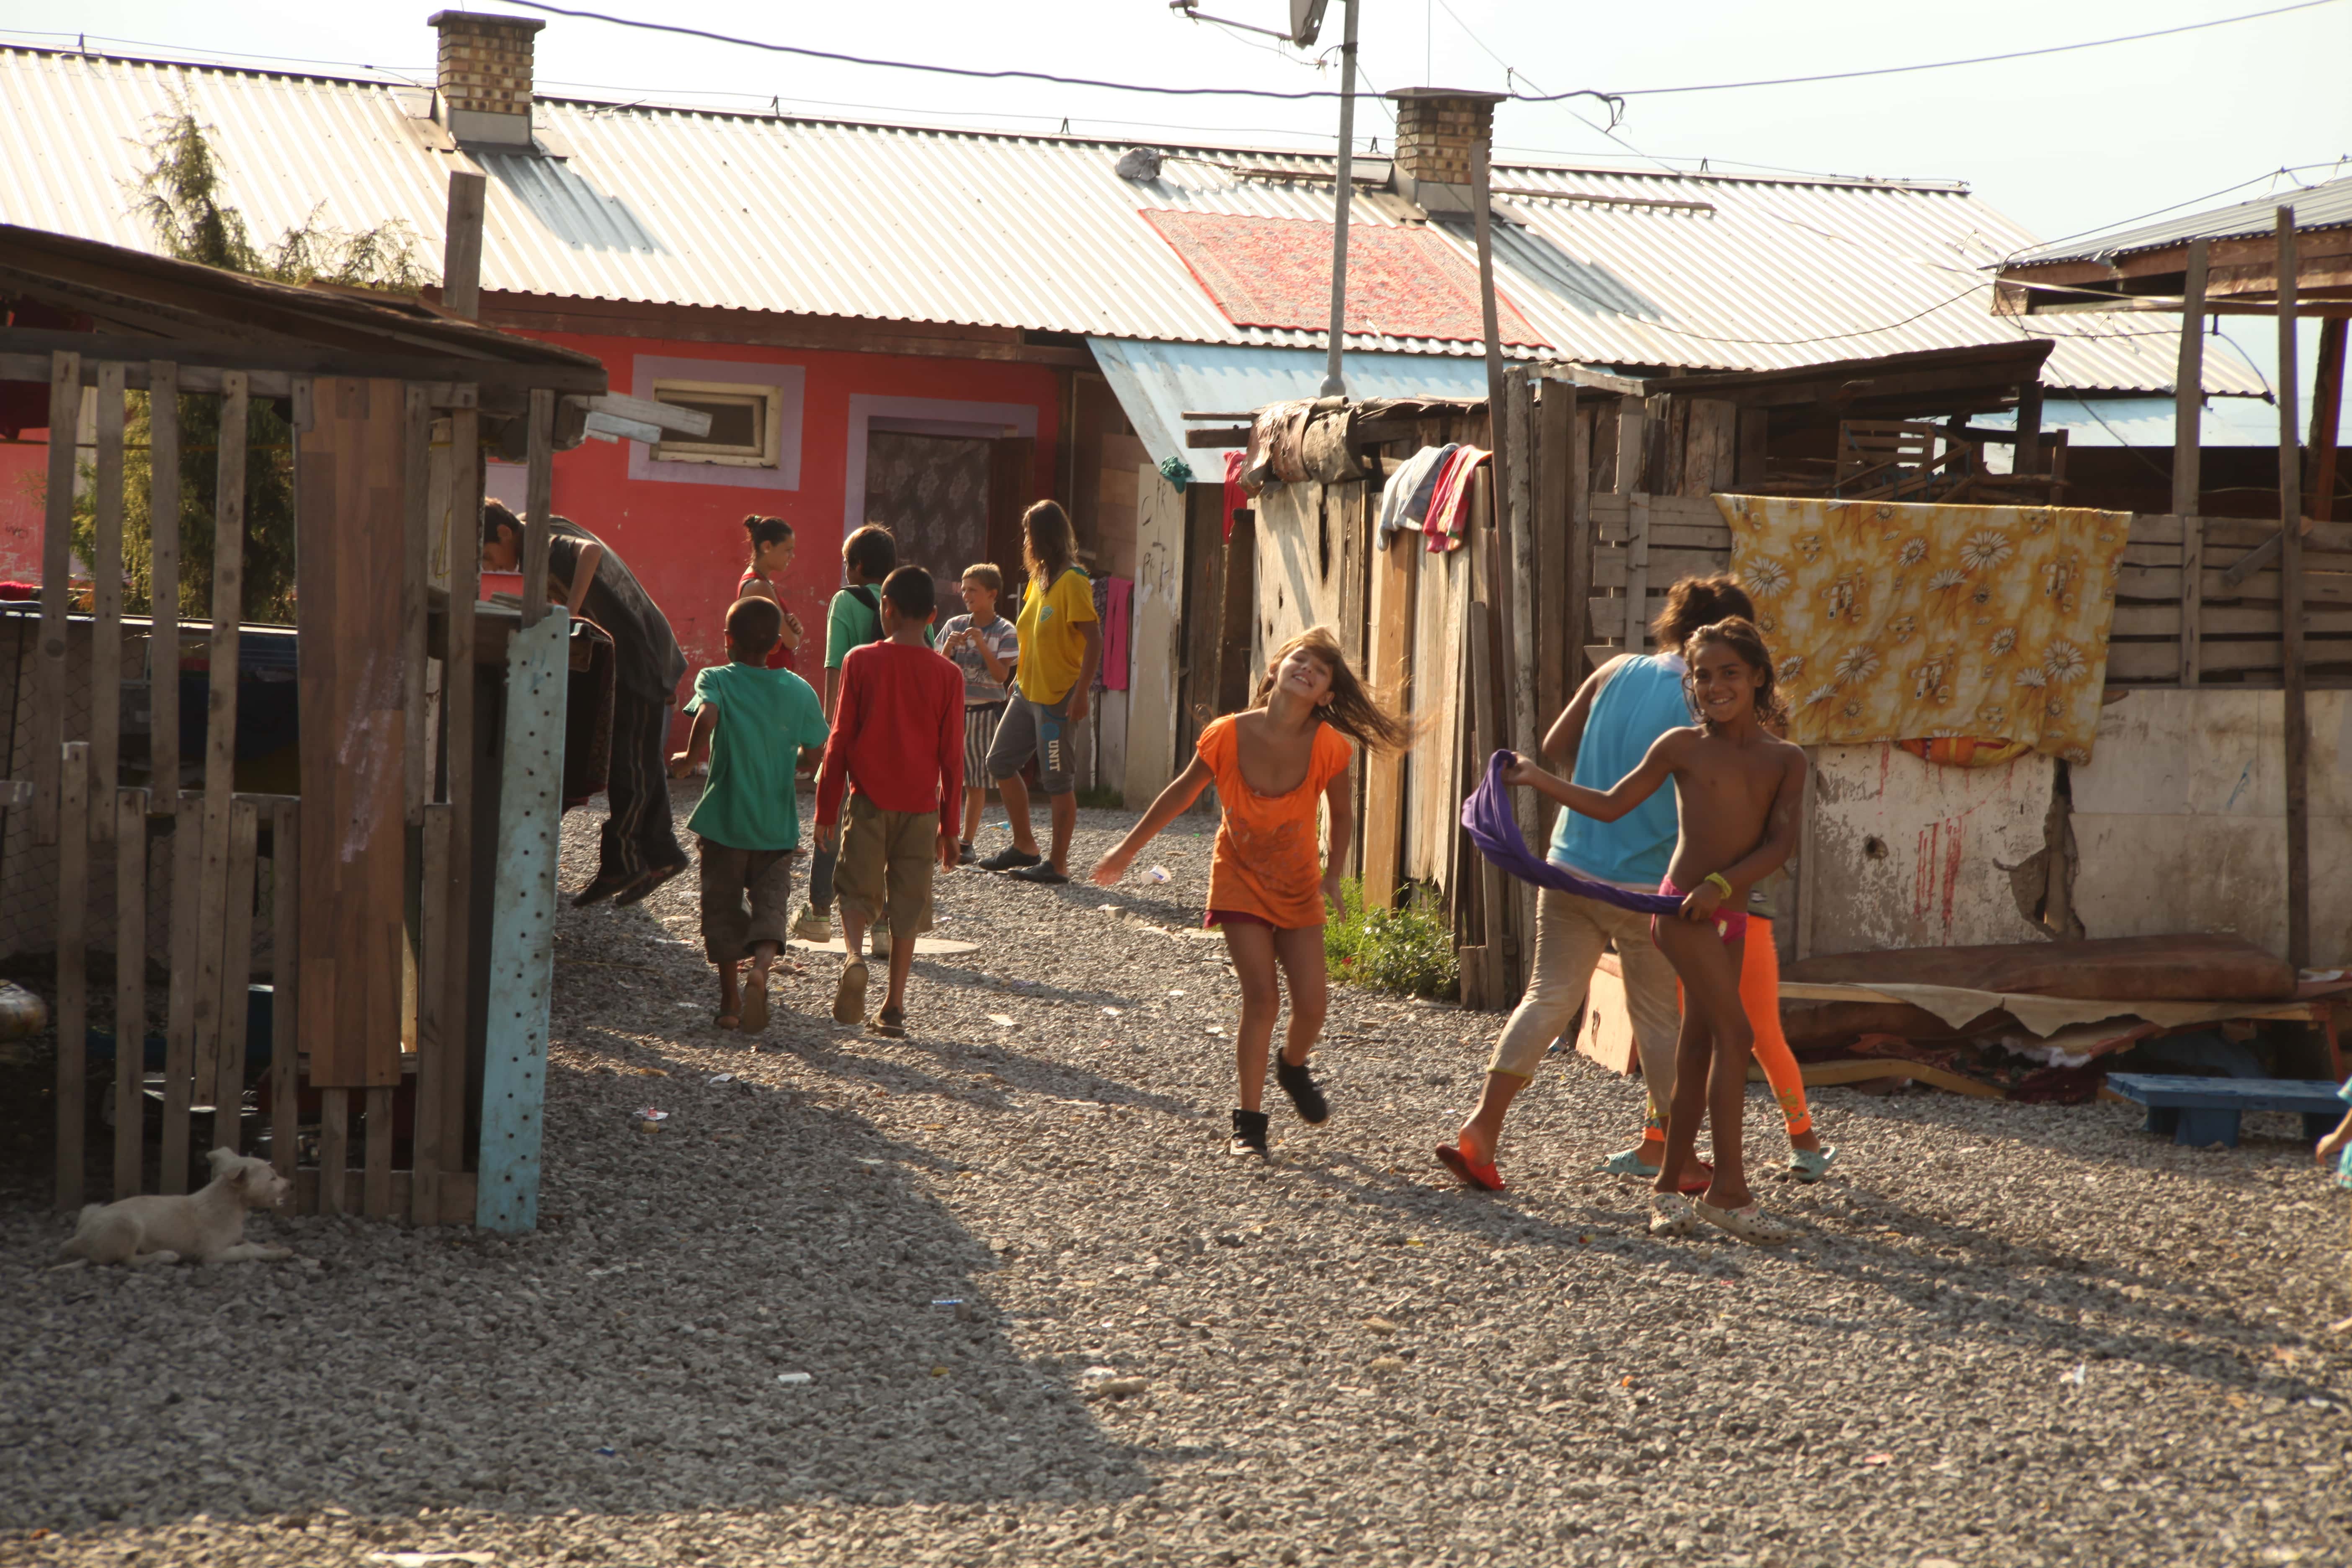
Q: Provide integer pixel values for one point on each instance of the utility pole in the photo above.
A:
(1335, 382)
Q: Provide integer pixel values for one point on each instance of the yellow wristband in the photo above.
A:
(1717, 877)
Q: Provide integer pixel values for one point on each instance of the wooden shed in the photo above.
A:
(1607, 500)
(399, 895)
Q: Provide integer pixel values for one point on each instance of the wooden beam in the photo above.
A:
(2189, 392)
(2298, 782)
(106, 605)
(1237, 634)
(56, 573)
(130, 988)
(1636, 630)
(2192, 599)
(416, 569)
(164, 611)
(539, 505)
(285, 985)
(180, 1015)
(2327, 418)
(1224, 436)
(236, 917)
(461, 246)
(2029, 427)
(73, 958)
(309, 360)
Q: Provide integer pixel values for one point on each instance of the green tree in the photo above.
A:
(183, 197)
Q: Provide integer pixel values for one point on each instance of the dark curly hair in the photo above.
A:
(1739, 634)
(1696, 602)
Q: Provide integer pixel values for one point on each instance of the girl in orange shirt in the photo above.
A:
(1267, 881)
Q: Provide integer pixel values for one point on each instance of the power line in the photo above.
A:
(1974, 59)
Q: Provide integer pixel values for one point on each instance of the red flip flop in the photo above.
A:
(1700, 1177)
(1451, 1156)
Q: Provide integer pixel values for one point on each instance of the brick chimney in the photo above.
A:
(1437, 127)
(486, 76)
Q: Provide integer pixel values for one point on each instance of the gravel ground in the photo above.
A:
(1045, 1316)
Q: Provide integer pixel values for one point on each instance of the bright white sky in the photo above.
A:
(2064, 144)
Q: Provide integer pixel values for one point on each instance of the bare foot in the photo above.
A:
(1810, 1142)
(1476, 1145)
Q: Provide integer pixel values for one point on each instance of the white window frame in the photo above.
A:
(769, 420)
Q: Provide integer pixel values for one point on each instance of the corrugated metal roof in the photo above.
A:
(2324, 205)
(888, 223)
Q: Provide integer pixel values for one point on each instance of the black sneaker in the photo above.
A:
(1041, 873)
(1008, 858)
(1297, 1083)
(966, 855)
(1249, 1135)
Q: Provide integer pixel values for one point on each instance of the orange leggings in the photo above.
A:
(1759, 998)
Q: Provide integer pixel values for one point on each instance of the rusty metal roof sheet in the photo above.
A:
(694, 207)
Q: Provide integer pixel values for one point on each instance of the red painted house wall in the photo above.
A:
(685, 542)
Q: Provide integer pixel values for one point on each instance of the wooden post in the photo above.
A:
(130, 988)
(73, 958)
(461, 246)
(1238, 623)
(1637, 573)
(2326, 415)
(2298, 782)
(457, 740)
(220, 737)
(2192, 598)
(179, 1016)
(106, 603)
(1521, 587)
(164, 636)
(1493, 991)
(285, 985)
(2189, 395)
(1396, 579)
(416, 479)
(334, 1149)
(439, 1043)
(1507, 429)
(236, 1001)
(540, 484)
(2029, 427)
(56, 574)
(1633, 444)
(1559, 615)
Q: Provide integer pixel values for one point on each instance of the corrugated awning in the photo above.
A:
(1157, 383)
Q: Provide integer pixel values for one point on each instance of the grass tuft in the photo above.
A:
(1409, 950)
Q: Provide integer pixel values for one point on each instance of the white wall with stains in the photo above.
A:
(1912, 854)
(2181, 819)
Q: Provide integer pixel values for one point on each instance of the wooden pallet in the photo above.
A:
(2202, 1111)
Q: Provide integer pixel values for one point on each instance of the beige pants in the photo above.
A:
(1572, 934)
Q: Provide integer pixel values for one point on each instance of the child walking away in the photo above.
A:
(1267, 886)
(854, 619)
(897, 743)
(1741, 791)
(986, 647)
(753, 724)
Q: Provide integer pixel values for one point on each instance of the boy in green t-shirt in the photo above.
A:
(748, 824)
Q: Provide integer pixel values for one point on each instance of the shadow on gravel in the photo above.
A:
(625, 1359)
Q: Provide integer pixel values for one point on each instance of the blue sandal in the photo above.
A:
(1810, 1164)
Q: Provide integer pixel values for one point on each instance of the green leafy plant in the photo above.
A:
(1409, 950)
(183, 196)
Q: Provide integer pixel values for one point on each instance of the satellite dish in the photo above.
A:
(1306, 20)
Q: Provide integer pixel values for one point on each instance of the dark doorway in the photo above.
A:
(933, 493)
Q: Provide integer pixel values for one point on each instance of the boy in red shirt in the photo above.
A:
(898, 737)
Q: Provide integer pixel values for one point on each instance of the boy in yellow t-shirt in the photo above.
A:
(1061, 644)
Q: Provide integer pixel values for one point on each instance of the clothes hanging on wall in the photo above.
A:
(1896, 621)
(1237, 491)
(1449, 500)
(1405, 500)
(1114, 609)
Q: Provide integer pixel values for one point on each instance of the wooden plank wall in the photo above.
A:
(233, 860)
(351, 548)
(2167, 619)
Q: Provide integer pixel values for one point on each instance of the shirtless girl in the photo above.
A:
(1742, 792)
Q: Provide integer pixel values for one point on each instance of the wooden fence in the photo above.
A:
(365, 883)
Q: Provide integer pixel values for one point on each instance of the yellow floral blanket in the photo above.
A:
(1893, 621)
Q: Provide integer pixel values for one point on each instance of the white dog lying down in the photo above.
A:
(208, 1225)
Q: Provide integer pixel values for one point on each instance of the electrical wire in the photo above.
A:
(1975, 59)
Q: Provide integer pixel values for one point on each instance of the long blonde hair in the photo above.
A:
(1355, 710)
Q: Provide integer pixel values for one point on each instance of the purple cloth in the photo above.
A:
(1487, 818)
